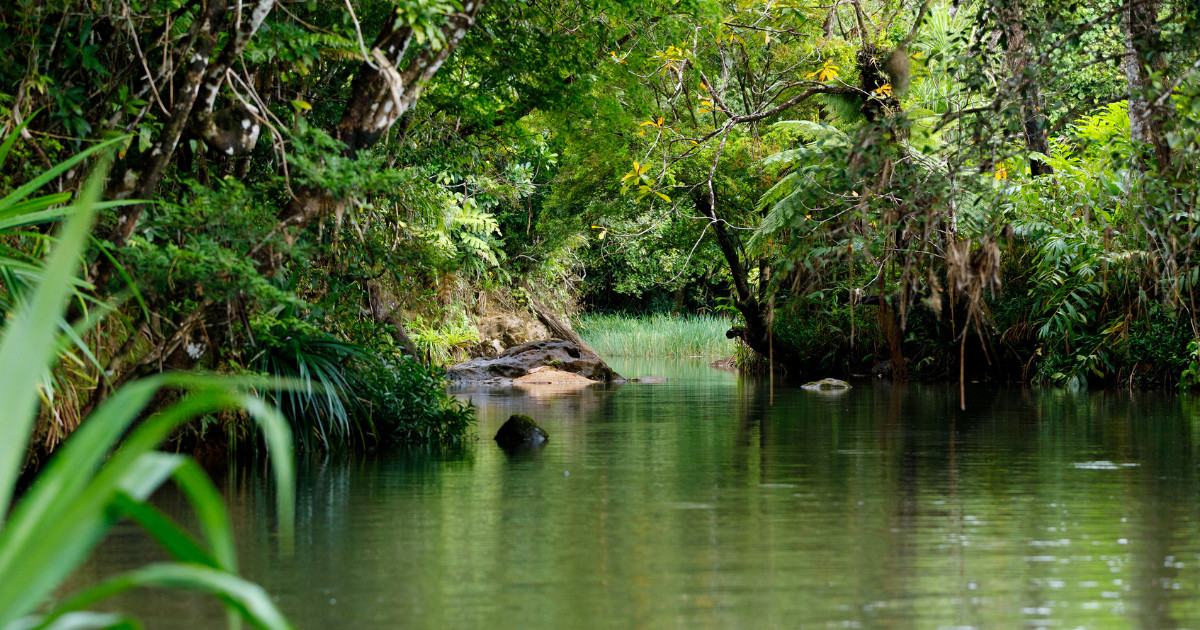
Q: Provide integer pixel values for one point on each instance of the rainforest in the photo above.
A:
(262, 230)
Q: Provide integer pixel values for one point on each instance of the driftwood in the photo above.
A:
(558, 328)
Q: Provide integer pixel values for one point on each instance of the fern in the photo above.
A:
(810, 131)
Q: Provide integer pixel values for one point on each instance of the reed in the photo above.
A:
(656, 335)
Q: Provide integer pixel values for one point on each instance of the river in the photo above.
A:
(711, 501)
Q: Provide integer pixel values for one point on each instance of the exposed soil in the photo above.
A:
(547, 375)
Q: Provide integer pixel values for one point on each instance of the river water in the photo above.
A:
(711, 501)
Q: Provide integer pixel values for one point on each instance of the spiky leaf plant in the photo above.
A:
(90, 484)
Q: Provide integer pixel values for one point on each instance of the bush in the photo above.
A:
(406, 402)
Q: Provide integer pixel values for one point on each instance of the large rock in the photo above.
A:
(506, 330)
(521, 360)
(520, 431)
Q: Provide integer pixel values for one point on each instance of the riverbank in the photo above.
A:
(1154, 352)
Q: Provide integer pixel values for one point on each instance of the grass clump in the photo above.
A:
(656, 335)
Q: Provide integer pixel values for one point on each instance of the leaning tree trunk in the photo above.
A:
(757, 333)
(232, 131)
(384, 312)
(386, 86)
(558, 328)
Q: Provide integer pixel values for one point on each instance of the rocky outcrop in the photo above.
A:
(521, 360)
(506, 330)
(520, 431)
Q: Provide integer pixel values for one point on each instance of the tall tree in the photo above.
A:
(1024, 81)
(1144, 57)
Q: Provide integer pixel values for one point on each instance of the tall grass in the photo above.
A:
(656, 335)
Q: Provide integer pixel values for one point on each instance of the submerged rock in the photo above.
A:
(520, 431)
(826, 383)
(523, 359)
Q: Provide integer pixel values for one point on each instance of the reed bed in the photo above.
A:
(656, 335)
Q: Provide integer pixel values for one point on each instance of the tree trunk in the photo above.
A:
(382, 91)
(557, 327)
(1142, 56)
(757, 332)
(382, 311)
(889, 323)
(231, 131)
(140, 180)
(1033, 120)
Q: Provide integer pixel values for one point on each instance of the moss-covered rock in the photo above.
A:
(520, 431)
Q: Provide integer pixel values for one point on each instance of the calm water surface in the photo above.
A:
(714, 502)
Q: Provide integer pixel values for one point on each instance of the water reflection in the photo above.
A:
(710, 501)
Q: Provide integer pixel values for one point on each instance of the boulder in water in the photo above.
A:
(520, 431)
(826, 384)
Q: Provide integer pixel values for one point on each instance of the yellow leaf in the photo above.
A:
(602, 233)
(664, 197)
(828, 71)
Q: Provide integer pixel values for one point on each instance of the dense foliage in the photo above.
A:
(330, 191)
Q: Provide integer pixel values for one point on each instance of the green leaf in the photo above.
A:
(79, 621)
(249, 600)
(28, 344)
(49, 174)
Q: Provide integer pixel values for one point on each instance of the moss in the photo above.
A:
(520, 431)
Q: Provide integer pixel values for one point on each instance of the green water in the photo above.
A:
(714, 502)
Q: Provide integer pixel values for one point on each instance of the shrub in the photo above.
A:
(407, 402)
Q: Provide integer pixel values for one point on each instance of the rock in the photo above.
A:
(523, 359)
(826, 383)
(520, 431)
(649, 379)
(507, 330)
